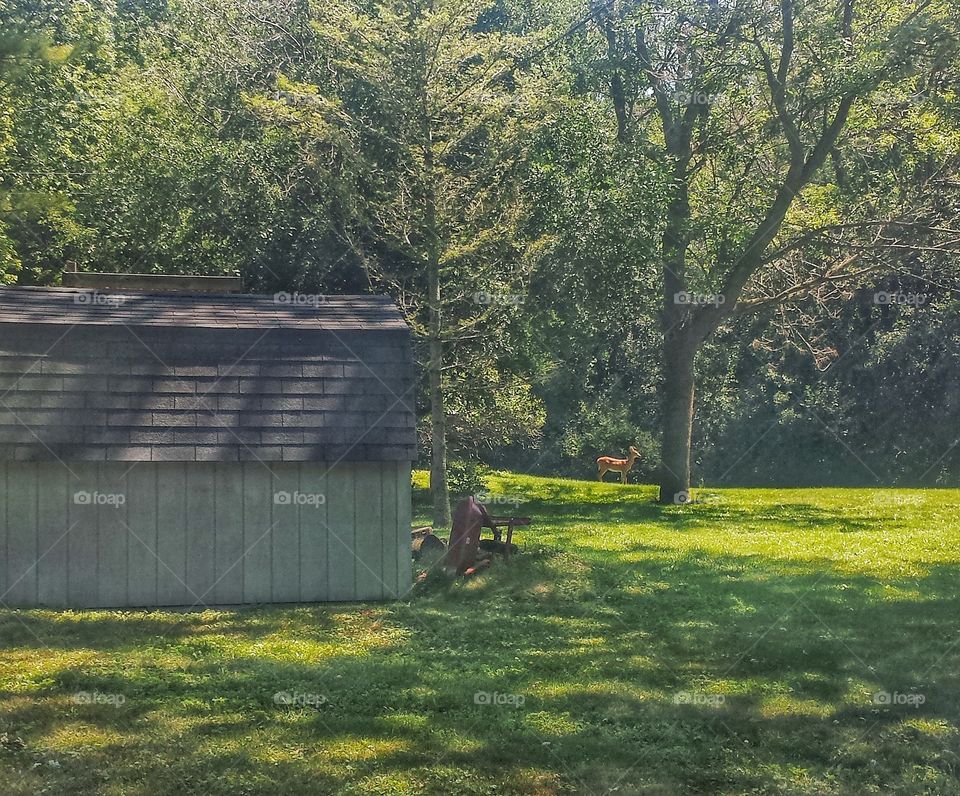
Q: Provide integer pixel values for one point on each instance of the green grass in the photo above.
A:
(731, 646)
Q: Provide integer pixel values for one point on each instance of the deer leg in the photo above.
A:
(623, 476)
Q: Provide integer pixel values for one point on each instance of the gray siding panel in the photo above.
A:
(171, 534)
(404, 524)
(113, 535)
(116, 535)
(4, 466)
(369, 543)
(228, 493)
(388, 519)
(257, 533)
(53, 530)
(84, 537)
(142, 530)
(314, 536)
(22, 550)
(200, 533)
(340, 526)
(286, 533)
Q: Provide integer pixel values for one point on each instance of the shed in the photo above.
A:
(184, 449)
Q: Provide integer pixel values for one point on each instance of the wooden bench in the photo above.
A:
(496, 524)
(469, 519)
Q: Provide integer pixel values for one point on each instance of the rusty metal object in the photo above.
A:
(464, 544)
(469, 519)
(495, 524)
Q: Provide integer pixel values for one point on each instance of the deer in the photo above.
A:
(622, 466)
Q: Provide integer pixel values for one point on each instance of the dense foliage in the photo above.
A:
(501, 154)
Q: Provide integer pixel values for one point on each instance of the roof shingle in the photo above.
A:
(203, 377)
(62, 305)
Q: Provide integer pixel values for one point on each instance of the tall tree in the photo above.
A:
(437, 109)
(746, 108)
(30, 60)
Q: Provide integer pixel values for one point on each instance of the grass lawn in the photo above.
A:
(761, 641)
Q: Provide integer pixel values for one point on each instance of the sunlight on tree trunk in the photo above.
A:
(439, 490)
(438, 421)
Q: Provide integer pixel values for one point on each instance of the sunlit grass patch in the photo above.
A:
(783, 705)
(734, 645)
(77, 736)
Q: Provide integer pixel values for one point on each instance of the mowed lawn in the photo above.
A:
(760, 641)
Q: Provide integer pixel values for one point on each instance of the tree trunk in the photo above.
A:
(439, 490)
(679, 345)
(678, 358)
(438, 428)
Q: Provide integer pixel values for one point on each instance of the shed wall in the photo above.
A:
(202, 533)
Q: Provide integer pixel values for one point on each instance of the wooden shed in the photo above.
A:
(192, 449)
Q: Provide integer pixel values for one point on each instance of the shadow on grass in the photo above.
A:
(556, 504)
(698, 674)
(129, 630)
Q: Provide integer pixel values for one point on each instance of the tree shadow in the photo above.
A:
(129, 629)
(647, 671)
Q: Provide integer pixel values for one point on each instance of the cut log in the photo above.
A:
(428, 546)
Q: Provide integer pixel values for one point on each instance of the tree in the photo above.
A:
(745, 109)
(435, 111)
(591, 314)
(28, 57)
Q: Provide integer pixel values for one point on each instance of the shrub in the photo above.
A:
(466, 477)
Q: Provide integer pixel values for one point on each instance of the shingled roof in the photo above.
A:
(184, 377)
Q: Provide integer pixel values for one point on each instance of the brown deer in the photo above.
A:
(622, 466)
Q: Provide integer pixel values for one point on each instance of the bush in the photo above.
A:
(466, 477)
(609, 433)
